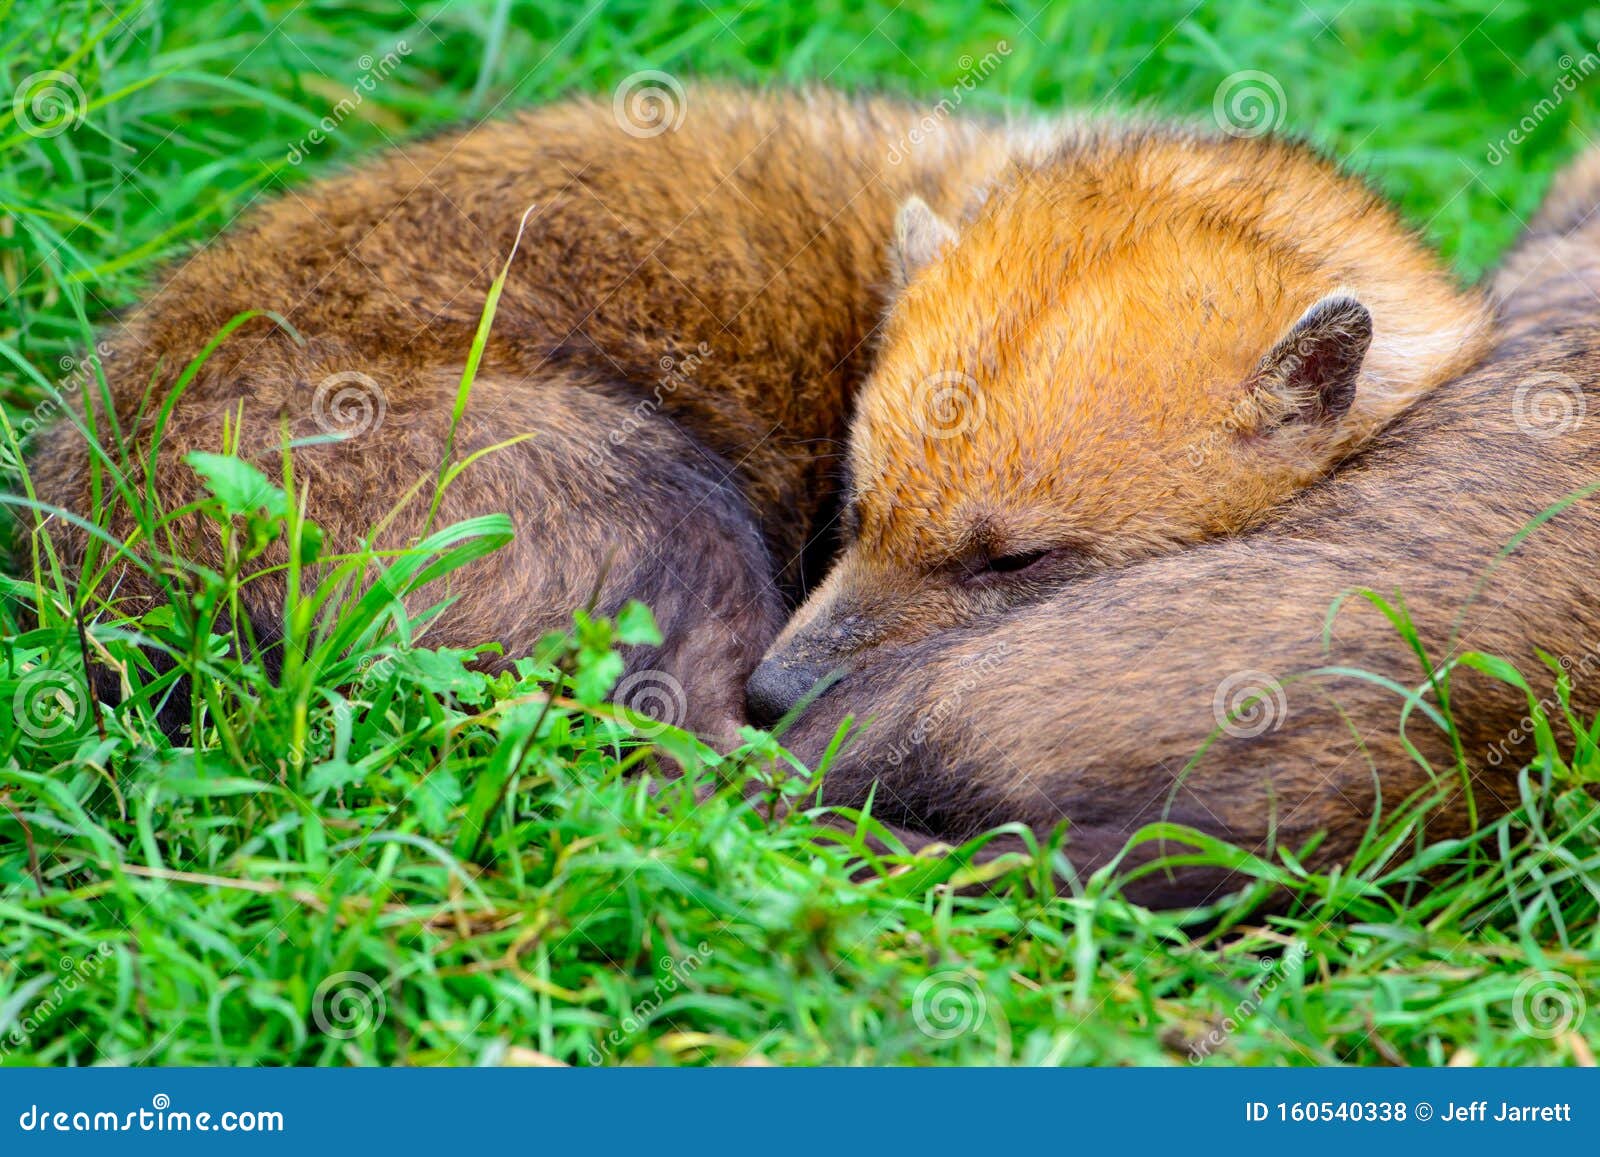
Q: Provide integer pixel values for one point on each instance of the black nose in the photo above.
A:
(775, 687)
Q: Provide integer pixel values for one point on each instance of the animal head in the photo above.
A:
(1137, 341)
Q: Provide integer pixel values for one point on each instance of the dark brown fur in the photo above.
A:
(1088, 706)
(748, 245)
(1095, 699)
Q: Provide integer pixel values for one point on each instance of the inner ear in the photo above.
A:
(920, 235)
(1311, 374)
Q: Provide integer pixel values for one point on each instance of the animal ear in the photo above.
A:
(920, 235)
(1311, 374)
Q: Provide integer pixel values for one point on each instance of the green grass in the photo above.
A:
(389, 858)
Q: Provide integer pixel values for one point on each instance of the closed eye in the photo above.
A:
(1005, 567)
(1011, 563)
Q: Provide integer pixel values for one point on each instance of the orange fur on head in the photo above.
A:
(1140, 338)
